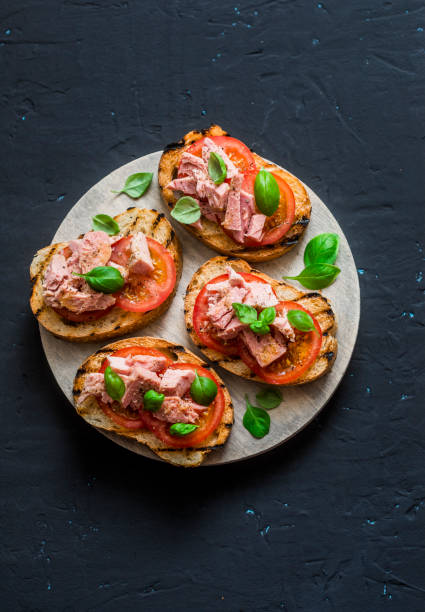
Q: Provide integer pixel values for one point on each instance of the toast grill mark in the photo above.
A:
(170, 239)
(159, 217)
(329, 355)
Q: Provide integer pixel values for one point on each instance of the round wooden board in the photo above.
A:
(301, 404)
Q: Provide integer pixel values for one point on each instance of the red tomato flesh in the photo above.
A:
(208, 422)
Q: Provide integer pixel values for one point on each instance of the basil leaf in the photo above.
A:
(301, 320)
(217, 168)
(259, 327)
(105, 279)
(186, 210)
(256, 420)
(266, 191)
(105, 223)
(152, 400)
(317, 276)
(182, 429)
(269, 398)
(321, 249)
(136, 184)
(114, 384)
(203, 390)
(246, 314)
(267, 315)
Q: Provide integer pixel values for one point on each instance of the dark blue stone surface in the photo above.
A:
(333, 521)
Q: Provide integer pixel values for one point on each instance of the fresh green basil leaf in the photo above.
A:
(152, 400)
(267, 315)
(321, 249)
(266, 191)
(217, 168)
(269, 398)
(136, 184)
(203, 390)
(186, 210)
(317, 276)
(105, 279)
(301, 320)
(246, 314)
(105, 223)
(259, 327)
(256, 420)
(182, 429)
(114, 384)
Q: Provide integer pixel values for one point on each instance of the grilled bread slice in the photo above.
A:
(212, 234)
(116, 322)
(90, 411)
(314, 302)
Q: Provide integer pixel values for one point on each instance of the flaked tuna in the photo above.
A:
(176, 382)
(255, 229)
(140, 259)
(91, 251)
(186, 184)
(282, 324)
(178, 410)
(265, 349)
(209, 147)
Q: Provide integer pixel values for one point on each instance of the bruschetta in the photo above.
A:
(271, 349)
(158, 394)
(231, 221)
(144, 255)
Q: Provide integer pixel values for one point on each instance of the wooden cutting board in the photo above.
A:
(301, 404)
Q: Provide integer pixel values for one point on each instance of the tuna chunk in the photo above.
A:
(177, 410)
(140, 259)
(231, 330)
(123, 271)
(216, 195)
(265, 349)
(94, 385)
(282, 324)
(256, 227)
(192, 166)
(233, 218)
(120, 365)
(140, 380)
(186, 184)
(260, 295)
(208, 212)
(150, 362)
(91, 251)
(209, 147)
(247, 209)
(176, 382)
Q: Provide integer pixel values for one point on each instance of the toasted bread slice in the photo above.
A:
(314, 302)
(212, 234)
(116, 322)
(90, 411)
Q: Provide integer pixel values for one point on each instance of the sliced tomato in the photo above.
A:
(123, 421)
(82, 317)
(278, 224)
(208, 423)
(236, 150)
(143, 293)
(201, 321)
(297, 360)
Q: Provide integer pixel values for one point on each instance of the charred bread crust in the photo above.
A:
(211, 234)
(90, 411)
(313, 301)
(116, 322)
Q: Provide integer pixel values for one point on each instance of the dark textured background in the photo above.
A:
(334, 520)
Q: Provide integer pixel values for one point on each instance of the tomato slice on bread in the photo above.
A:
(143, 293)
(236, 150)
(201, 322)
(208, 422)
(299, 357)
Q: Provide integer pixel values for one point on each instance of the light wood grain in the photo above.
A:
(301, 404)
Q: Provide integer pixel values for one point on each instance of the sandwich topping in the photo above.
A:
(220, 174)
(240, 315)
(181, 403)
(143, 275)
